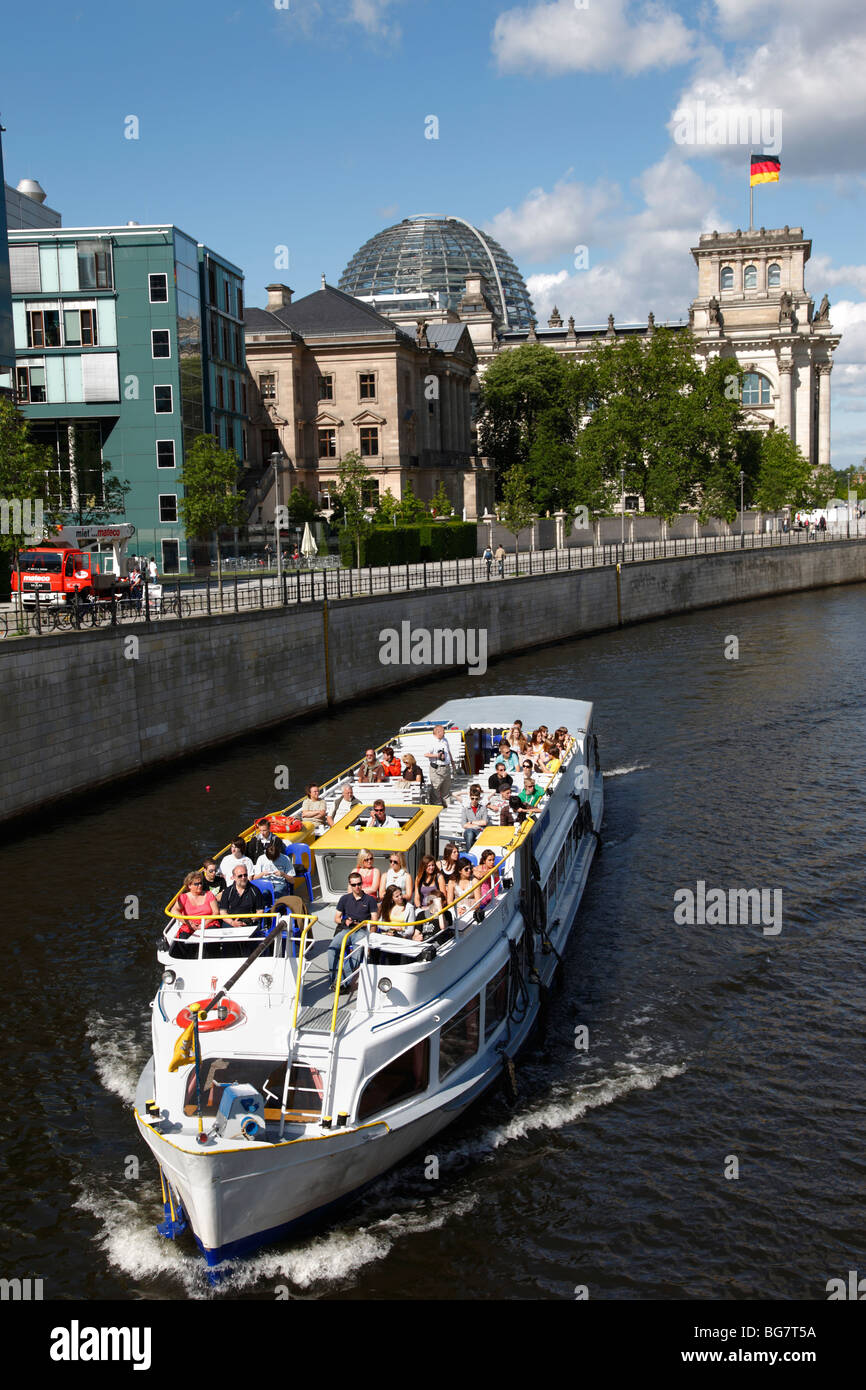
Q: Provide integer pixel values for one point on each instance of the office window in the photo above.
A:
(43, 328)
(94, 265)
(268, 386)
(158, 288)
(211, 284)
(168, 506)
(369, 441)
(232, 396)
(162, 400)
(165, 453)
(240, 302)
(236, 339)
(170, 557)
(99, 376)
(31, 384)
(160, 342)
(221, 400)
(212, 330)
(79, 327)
(367, 386)
(326, 388)
(327, 444)
(25, 269)
(243, 398)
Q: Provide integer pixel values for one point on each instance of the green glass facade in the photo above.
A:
(113, 334)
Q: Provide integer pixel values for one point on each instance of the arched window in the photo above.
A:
(755, 389)
(750, 277)
(774, 277)
(726, 281)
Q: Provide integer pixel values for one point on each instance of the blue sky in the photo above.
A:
(302, 124)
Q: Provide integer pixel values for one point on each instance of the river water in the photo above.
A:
(708, 1142)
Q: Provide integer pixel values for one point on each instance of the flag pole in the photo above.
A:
(751, 197)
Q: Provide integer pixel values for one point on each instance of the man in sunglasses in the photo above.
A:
(241, 897)
(354, 907)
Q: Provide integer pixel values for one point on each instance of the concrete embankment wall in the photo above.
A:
(84, 709)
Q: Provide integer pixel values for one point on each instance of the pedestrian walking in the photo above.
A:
(500, 560)
(487, 557)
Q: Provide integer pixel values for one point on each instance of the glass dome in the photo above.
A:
(427, 255)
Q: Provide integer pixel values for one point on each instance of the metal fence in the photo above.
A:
(177, 600)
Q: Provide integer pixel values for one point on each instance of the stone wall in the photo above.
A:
(80, 710)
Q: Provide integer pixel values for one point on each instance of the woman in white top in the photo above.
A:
(275, 867)
(398, 875)
(237, 855)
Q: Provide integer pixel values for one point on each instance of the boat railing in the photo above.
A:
(214, 932)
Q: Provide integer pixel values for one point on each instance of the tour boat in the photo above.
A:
(271, 1097)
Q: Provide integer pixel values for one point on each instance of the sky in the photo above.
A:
(592, 138)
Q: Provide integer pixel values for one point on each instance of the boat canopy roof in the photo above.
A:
(350, 833)
(493, 711)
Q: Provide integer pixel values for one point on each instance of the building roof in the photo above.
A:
(329, 310)
(446, 336)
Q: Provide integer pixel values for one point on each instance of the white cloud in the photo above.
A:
(739, 18)
(554, 223)
(371, 15)
(560, 37)
(821, 268)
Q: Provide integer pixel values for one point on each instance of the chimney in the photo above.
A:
(278, 296)
(31, 189)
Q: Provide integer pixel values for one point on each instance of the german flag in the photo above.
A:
(765, 169)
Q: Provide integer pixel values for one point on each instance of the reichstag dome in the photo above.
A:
(431, 256)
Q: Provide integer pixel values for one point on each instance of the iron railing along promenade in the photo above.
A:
(181, 598)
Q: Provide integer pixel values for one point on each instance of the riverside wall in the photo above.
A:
(80, 710)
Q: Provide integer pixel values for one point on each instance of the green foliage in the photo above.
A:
(300, 506)
(784, 475)
(209, 480)
(410, 508)
(822, 485)
(411, 544)
(387, 509)
(24, 471)
(352, 481)
(516, 511)
(441, 504)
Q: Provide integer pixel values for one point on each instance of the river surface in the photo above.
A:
(707, 1145)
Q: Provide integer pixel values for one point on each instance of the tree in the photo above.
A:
(211, 499)
(387, 509)
(349, 489)
(410, 508)
(784, 476)
(518, 387)
(300, 505)
(516, 511)
(441, 504)
(24, 471)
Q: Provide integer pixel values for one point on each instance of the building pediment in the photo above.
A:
(325, 417)
(368, 417)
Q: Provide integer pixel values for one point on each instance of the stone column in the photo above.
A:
(560, 530)
(824, 369)
(785, 382)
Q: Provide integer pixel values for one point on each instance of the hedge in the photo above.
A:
(411, 545)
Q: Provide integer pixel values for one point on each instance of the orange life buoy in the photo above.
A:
(213, 1022)
(278, 823)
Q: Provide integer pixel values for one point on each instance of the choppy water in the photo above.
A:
(707, 1043)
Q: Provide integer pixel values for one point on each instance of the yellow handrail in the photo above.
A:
(307, 928)
(360, 926)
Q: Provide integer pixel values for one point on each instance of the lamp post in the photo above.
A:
(742, 481)
(276, 460)
(622, 481)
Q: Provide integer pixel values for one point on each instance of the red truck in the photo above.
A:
(56, 569)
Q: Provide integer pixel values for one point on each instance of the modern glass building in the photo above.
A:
(429, 256)
(128, 343)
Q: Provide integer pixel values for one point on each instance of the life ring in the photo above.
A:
(213, 1022)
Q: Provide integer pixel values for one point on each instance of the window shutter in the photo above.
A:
(24, 265)
(99, 376)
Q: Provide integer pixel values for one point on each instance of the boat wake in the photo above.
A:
(119, 1055)
(624, 771)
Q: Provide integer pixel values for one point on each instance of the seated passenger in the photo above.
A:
(397, 916)
(354, 907)
(508, 756)
(464, 884)
(411, 770)
(278, 869)
(263, 837)
(516, 731)
(498, 803)
(365, 869)
(241, 897)
(532, 793)
(447, 868)
(379, 820)
(313, 810)
(474, 817)
(370, 770)
(397, 876)
(428, 897)
(343, 804)
(195, 901)
(498, 777)
(237, 855)
(213, 879)
(489, 888)
(544, 758)
(390, 763)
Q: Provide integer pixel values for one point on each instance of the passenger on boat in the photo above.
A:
(344, 803)
(242, 897)
(398, 914)
(544, 758)
(474, 817)
(194, 900)
(263, 837)
(441, 767)
(390, 763)
(464, 883)
(428, 898)
(499, 802)
(370, 770)
(213, 879)
(532, 793)
(313, 810)
(378, 820)
(277, 868)
(354, 907)
(489, 888)
(447, 868)
(365, 868)
(237, 855)
(507, 756)
(411, 770)
(516, 731)
(397, 876)
(499, 777)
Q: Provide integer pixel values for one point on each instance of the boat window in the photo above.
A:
(265, 1074)
(458, 1039)
(408, 1075)
(495, 1001)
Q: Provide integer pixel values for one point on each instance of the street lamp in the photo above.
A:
(622, 481)
(742, 481)
(276, 460)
